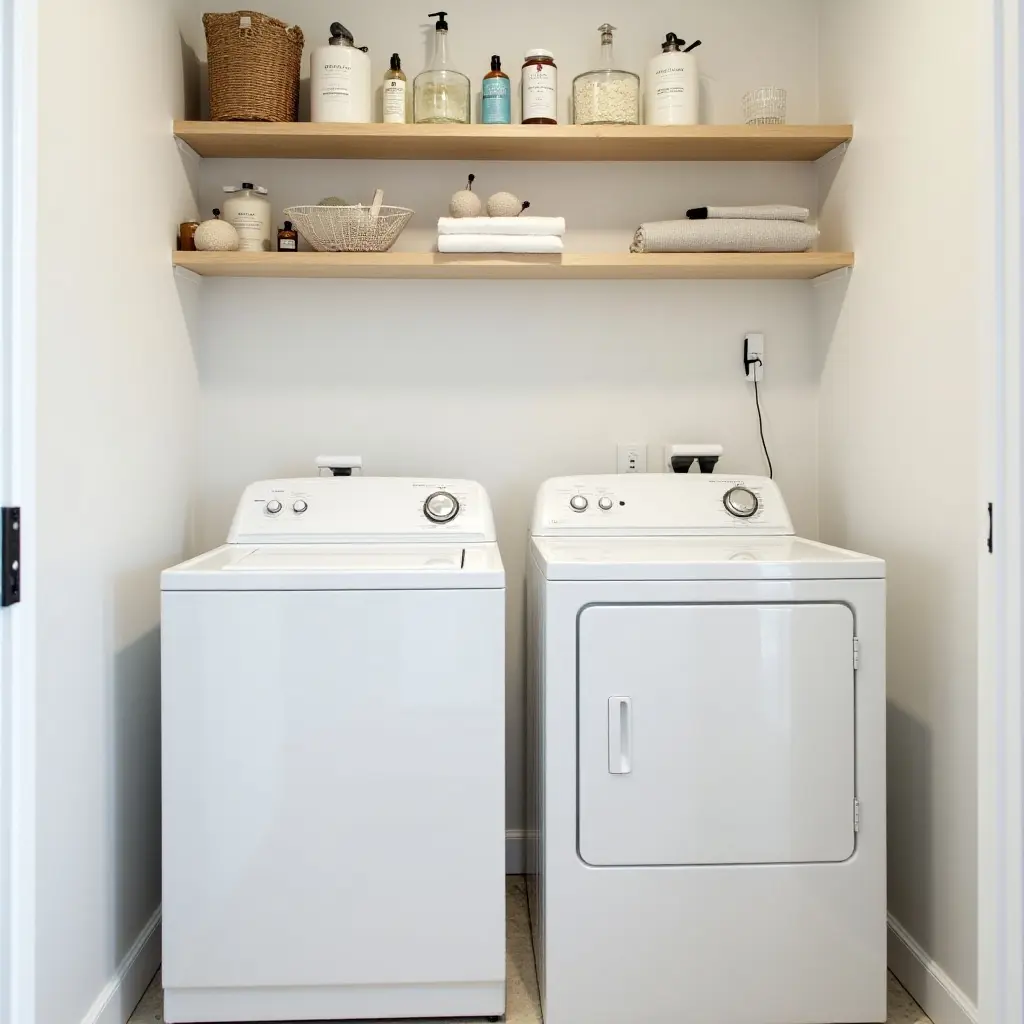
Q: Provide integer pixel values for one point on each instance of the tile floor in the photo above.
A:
(523, 1005)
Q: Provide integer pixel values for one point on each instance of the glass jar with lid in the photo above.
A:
(606, 95)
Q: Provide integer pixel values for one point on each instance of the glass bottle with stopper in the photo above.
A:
(606, 95)
(440, 93)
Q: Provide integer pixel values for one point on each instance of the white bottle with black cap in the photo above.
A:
(339, 80)
(672, 85)
(247, 209)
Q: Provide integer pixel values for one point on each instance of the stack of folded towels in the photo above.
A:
(730, 229)
(500, 234)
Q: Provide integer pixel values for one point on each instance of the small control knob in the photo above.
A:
(578, 503)
(299, 507)
(604, 504)
(741, 502)
(273, 507)
(441, 507)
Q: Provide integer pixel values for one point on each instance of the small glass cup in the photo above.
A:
(765, 106)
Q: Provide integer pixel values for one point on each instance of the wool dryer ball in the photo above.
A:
(504, 204)
(216, 235)
(465, 202)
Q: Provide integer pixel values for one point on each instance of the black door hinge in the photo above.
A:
(10, 586)
(990, 527)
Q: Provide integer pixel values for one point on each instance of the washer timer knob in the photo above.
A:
(741, 502)
(441, 507)
(299, 507)
(273, 507)
(578, 503)
(604, 504)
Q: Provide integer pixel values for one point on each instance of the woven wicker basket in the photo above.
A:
(254, 66)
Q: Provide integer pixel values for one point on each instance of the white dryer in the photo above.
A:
(333, 758)
(707, 758)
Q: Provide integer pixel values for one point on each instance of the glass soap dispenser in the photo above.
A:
(606, 95)
(440, 93)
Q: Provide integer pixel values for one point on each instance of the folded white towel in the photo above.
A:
(501, 226)
(772, 212)
(499, 243)
(724, 236)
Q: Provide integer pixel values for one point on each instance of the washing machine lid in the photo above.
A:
(246, 567)
(700, 558)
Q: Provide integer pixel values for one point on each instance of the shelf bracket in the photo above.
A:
(842, 274)
(184, 274)
(833, 154)
(185, 149)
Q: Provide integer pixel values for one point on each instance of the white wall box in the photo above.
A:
(149, 398)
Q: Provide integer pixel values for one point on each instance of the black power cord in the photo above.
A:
(760, 421)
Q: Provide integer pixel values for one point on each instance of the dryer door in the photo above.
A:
(716, 734)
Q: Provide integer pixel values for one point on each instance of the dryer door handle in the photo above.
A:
(620, 735)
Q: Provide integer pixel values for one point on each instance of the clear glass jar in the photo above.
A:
(606, 95)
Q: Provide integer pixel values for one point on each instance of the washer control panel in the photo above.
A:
(336, 510)
(660, 504)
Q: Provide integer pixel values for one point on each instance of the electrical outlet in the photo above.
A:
(632, 457)
(753, 358)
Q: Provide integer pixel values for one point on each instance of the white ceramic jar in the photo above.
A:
(672, 86)
(247, 210)
(339, 80)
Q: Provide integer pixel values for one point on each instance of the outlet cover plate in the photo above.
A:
(753, 348)
(631, 457)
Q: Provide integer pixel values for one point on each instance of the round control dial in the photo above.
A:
(741, 502)
(578, 503)
(299, 507)
(441, 507)
(604, 504)
(273, 507)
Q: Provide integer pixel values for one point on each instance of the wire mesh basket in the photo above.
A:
(349, 228)
(765, 106)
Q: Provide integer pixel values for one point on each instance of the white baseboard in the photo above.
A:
(515, 851)
(935, 991)
(122, 993)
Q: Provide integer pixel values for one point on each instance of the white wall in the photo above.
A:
(510, 383)
(117, 409)
(899, 423)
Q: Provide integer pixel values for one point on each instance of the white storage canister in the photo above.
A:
(247, 210)
(672, 86)
(339, 80)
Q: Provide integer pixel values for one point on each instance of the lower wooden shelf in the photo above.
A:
(568, 266)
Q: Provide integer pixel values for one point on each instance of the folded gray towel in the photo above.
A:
(724, 236)
(772, 212)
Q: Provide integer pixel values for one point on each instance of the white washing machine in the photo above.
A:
(333, 758)
(707, 769)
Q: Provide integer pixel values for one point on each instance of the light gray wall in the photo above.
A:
(117, 408)
(900, 418)
(510, 383)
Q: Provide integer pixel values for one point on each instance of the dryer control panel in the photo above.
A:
(693, 504)
(340, 510)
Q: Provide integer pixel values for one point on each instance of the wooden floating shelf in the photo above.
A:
(800, 266)
(510, 142)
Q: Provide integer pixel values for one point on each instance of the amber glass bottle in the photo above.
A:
(287, 238)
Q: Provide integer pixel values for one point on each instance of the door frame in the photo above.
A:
(18, 175)
(1001, 576)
